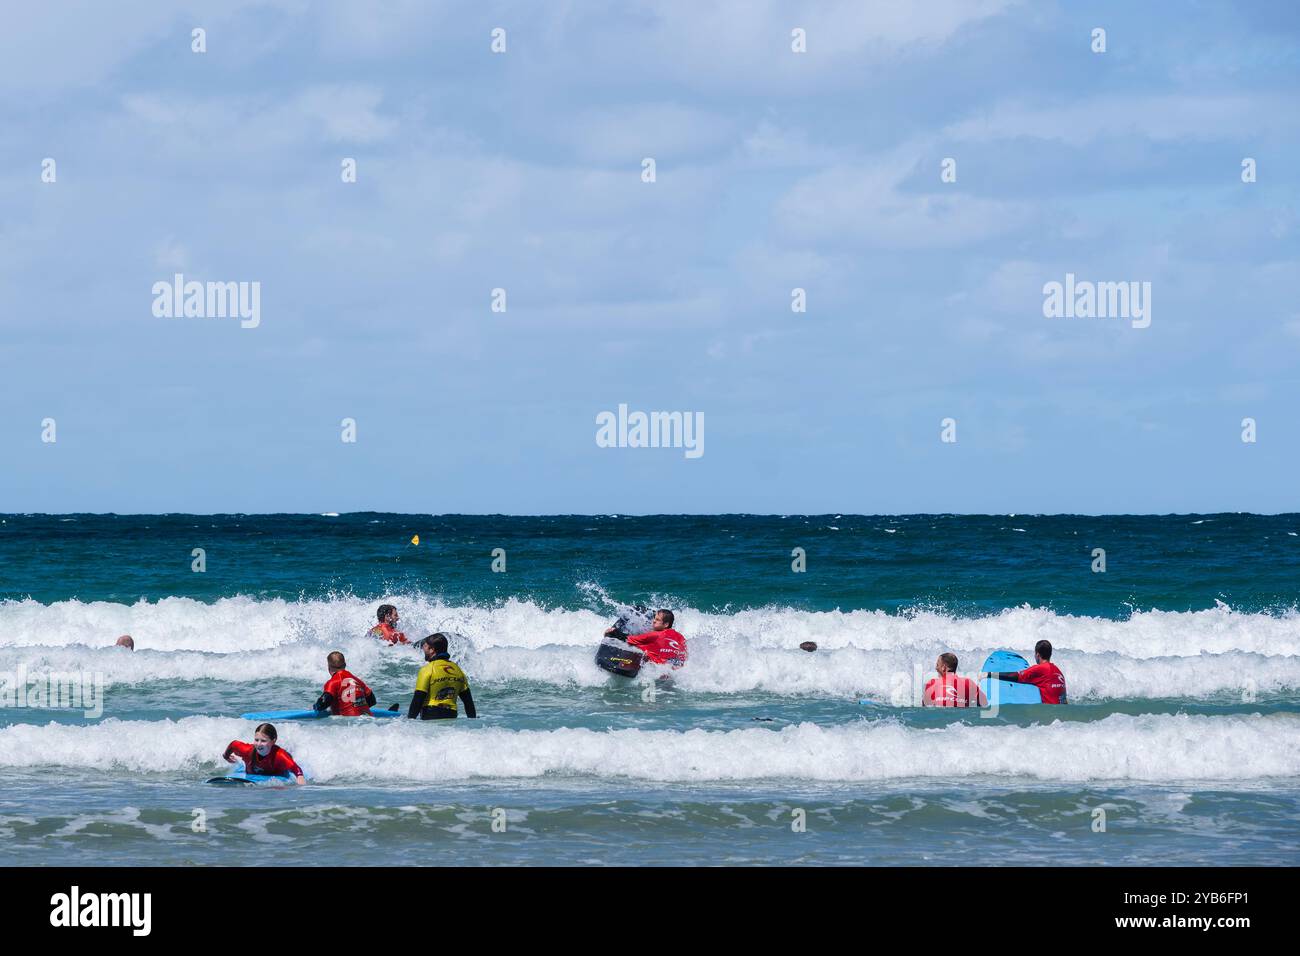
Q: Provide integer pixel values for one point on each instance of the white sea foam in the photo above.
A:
(714, 669)
(243, 623)
(1149, 748)
(863, 653)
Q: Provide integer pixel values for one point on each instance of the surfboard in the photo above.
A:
(1007, 692)
(618, 658)
(270, 715)
(241, 778)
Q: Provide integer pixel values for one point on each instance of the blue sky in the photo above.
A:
(775, 170)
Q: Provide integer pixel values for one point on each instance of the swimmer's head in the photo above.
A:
(125, 641)
(434, 645)
(335, 661)
(264, 738)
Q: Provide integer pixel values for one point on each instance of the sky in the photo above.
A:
(774, 170)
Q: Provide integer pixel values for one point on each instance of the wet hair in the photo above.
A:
(384, 611)
(268, 729)
(950, 661)
(438, 642)
(1044, 650)
(668, 615)
(336, 660)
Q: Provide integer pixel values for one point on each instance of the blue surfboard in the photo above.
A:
(309, 714)
(1006, 691)
(241, 778)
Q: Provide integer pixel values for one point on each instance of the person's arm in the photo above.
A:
(417, 704)
(230, 748)
(287, 762)
(423, 688)
(618, 628)
(364, 693)
(324, 702)
(1013, 676)
(468, 700)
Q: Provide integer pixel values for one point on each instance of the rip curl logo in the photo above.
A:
(208, 300)
(1098, 300)
(651, 430)
(73, 909)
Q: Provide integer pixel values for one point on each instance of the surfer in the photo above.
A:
(345, 694)
(386, 629)
(950, 690)
(1044, 675)
(439, 683)
(661, 644)
(264, 756)
(125, 641)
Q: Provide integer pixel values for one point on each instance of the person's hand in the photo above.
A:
(300, 780)
(232, 759)
(610, 631)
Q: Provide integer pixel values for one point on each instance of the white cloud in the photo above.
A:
(347, 113)
(749, 40)
(340, 113)
(46, 48)
(363, 30)
(865, 204)
(1155, 118)
(772, 146)
(170, 254)
(629, 133)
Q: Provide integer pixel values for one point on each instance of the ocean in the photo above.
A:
(1178, 745)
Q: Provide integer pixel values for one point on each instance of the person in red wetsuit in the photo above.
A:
(661, 644)
(1044, 675)
(345, 695)
(950, 690)
(386, 629)
(263, 756)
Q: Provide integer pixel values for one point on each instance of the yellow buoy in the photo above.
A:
(415, 540)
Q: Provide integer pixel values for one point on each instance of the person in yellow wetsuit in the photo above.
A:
(439, 683)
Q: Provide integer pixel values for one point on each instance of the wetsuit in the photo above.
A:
(956, 692)
(437, 686)
(346, 696)
(277, 763)
(1047, 677)
(386, 632)
(661, 647)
